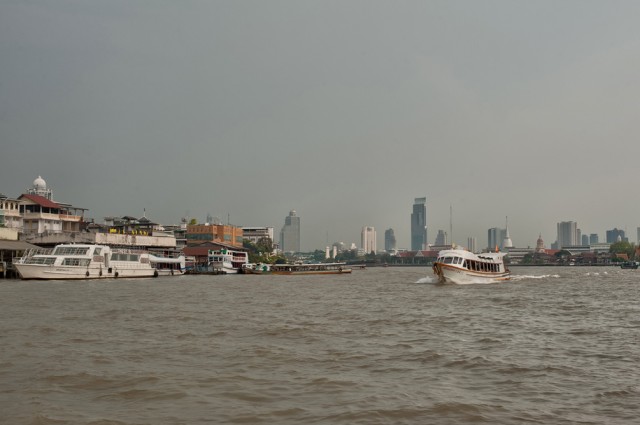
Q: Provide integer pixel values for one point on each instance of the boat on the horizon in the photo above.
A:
(629, 265)
(228, 261)
(299, 269)
(84, 261)
(464, 267)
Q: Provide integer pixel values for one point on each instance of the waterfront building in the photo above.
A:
(441, 238)
(419, 224)
(225, 234)
(389, 240)
(256, 234)
(368, 239)
(593, 239)
(616, 235)
(567, 234)
(41, 215)
(290, 233)
(471, 244)
(10, 213)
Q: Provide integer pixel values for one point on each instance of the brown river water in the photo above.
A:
(379, 346)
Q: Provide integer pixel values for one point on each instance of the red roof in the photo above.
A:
(40, 200)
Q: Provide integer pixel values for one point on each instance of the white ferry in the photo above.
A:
(464, 267)
(228, 261)
(84, 262)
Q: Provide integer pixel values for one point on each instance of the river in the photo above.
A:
(379, 346)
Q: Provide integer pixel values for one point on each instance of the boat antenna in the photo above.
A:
(451, 223)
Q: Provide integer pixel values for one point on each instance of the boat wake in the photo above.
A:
(427, 280)
(519, 277)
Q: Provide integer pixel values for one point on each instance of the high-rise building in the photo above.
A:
(368, 238)
(495, 238)
(471, 244)
(389, 240)
(290, 233)
(441, 238)
(419, 225)
(593, 239)
(585, 240)
(567, 234)
(616, 235)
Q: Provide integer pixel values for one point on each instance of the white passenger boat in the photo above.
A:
(168, 266)
(84, 262)
(227, 260)
(464, 267)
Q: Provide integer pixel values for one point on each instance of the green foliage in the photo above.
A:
(623, 248)
(193, 222)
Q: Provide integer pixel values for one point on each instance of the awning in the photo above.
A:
(15, 245)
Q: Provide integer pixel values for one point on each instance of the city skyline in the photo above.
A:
(344, 112)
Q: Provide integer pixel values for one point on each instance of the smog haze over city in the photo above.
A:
(342, 110)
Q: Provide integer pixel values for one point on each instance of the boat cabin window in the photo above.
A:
(41, 260)
(448, 260)
(124, 257)
(82, 262)
(71, 250)
(97, 251)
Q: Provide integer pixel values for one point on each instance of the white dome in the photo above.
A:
(39, 183)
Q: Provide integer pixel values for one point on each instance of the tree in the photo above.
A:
(623, 247)
(193, 222)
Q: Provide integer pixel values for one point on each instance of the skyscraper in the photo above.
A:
(593, 238)
(389, 240)
(419, 225)
(495, 238)
(567, 234)
(368, 237)
(471, 244)
(290, 233)
(441, 238)
(616, 235)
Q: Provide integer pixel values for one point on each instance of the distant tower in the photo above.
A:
(389, 240)
(441, 238)
(40, 189)
(594, 239)
(471, 244)
(507, 239)
(368, 238)
(419, 225)
(540, 244)
(567, 234)
(290, 233)
(495, 237)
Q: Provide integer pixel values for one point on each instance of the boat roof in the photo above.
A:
(470, 255)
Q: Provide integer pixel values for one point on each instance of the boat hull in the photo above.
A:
(311, 272)
(447, 273)
(52, 272)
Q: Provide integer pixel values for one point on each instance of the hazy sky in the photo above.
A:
(342, 110)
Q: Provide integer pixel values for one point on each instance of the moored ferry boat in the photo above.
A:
(464, 267)
(168, 266)
(228, 261)
(315, 268)
(88, 261)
